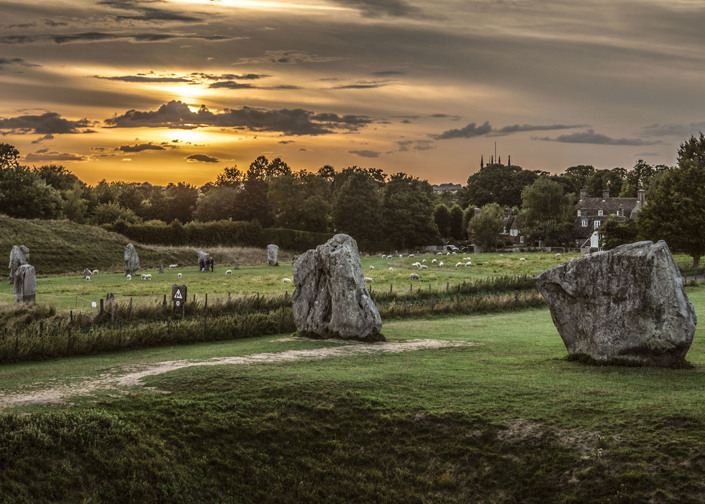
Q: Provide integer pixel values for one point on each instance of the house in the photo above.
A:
(512, 228)
(591, 213)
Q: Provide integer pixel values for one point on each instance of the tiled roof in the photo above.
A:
(608, 206)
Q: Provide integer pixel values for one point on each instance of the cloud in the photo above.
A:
(516, 128)
(302, 149)
(139, 147)
(250, 76)
(45, 155)
(590, 137)
(202, 158)
(417, 145)
(102, 37)
(286, 142)
(176, 114)
(45, 124)
(146, 13)
(16, 61)
(469, 131)
(681, 130)
(387, 73)
(365, 153)
(142, 78)
(287, 57)
(50, 22)
(385, 8)
(23, 25)
(404, 145)
(48, 136)
(364, 85)
(231, 85)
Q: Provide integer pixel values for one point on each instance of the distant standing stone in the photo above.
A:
(87, 273)
(203, 258)
(628, 303)
(110, 298)
(25, 284)
(237, 265)
(330, 297)
(272, 253)
(161, 269)
(132, 260)
(18, 257)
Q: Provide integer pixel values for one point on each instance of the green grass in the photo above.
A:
(508, 419)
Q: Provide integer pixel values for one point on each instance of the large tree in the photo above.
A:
(675, 210)
(497, 183)
(581, 174)
(408, 212)
(300, 201)
(23, 194)
(606, 180)
(545, 200)
(484, 229)
(357, 208)
(456, 223)
(441, 216)
(640, 177)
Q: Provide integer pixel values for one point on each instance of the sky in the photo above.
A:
(176, 90)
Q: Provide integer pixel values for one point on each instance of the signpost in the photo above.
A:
(178, 296)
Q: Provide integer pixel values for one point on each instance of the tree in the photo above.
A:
(300, 201)
(456, 223)
(262, 169)
(484, 229)
(252, 203)
(497, 183)
(408, 212)
(640, 177)
(606, 180)
(57, 177)
(552, 232)
(357, 208)
(676, 207)
(441, 216)
(581, 174)
(9, 156)
(181, 203)
(218, 204)
(23, 194)
(545, 200)
(109, 213)
(231, 177)
(613, 233)
(468, 214)
(75, 206)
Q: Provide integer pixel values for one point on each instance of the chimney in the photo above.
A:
(641, 197)
(605, 195)
(583, 194)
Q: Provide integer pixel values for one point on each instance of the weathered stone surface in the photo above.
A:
(18, 257)
(272, 254)
(330, 297)
(132, 260)
(161, 269)
(25, 284)
(628, 303)
(202, 258)
(87, 273)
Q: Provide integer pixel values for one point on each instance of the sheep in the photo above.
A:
(95, 272)
(414, 276)
(440, 253)
(372, 267)
(458, 264)
(411, 255)
(384, 256)
(434, 261)
(229, 272)
(369, 280)
(143, 277)
(558, 255)
(455, 253)
(501, 255)
(447, 253)
(468, 263)
(391, 269)
(179, 276)
(286, 280)
(129, 277)
(416, 265)
(423, 261)
(88, 279)
(440, 263)
(401, 256)
(522, 259)
(172, 266)
(423, 266)
(148, 277)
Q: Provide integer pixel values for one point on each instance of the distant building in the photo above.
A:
(512, 230)
(591, 213)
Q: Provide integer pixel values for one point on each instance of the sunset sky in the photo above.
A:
(176, 90)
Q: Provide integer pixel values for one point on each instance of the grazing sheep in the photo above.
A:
(286, 280)
(384, 256)
(423, 266)
(88, 279)
(423, 261)
(95, 272)
(148, 277)
(372, 267)
(369, 280)
(522, 259)
(416, 265)
(172, 266)
(558, 255)
(391, 269)
(501, 255)
(447, 253)
(434, 261)
(129, 277)
(468, 263)
(440, 263)
(229, 272)
(401, 256)
(179, 276)
(455, 253)
(143, 276)
(414, 276)
(458, 264)
(411, 255)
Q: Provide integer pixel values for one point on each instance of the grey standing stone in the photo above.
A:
(625, 304)
(161, 269)
(18, 257)
(272, 253)
(237, 265)
(202, 258)
(87, 273)
(25, 284)
(330, 297)
(132, 260)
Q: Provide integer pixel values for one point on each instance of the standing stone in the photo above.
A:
(202, 258)
(272, 253)
(330, 297)
(161, 269)
(25, 284)
(18, 257)
(87, 273)
(109, 299)
(132, 260)
(625, 304)
(237, 265)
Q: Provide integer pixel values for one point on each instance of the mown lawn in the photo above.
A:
(507, 419)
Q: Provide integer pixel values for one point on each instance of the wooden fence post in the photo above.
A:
(130, 312)
(41, 329)
(101, 306)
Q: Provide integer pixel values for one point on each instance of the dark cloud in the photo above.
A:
(231, 85)
(302, 149)
(440, 115)
(469, 131)
(406, 121)
(16, 61)
(176, 114)
(50, 22)
(387, 73)
(147, 13)
(404, 145)
(417, 145)
(681, 130)
(48, 123)
(102, 37)
(287, 57)
(141, 78)
(383, 8)
(590, 137)
(286, 142)
(516, 128)
(363, 85)
(140, 148)
(250, 76)
(365, 153)
(202, 158)
(23, 25)
(41, 139)
(45, 155)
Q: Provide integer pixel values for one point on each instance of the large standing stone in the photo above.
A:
(18, 257)
(87, 273)
(272, 253)
(624, 304)
(203, 257)
(330, 297)
(25, 284)
(132, 260)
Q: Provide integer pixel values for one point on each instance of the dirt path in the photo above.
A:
(121, 379)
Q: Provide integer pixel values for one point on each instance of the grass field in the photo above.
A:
(503, 417)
